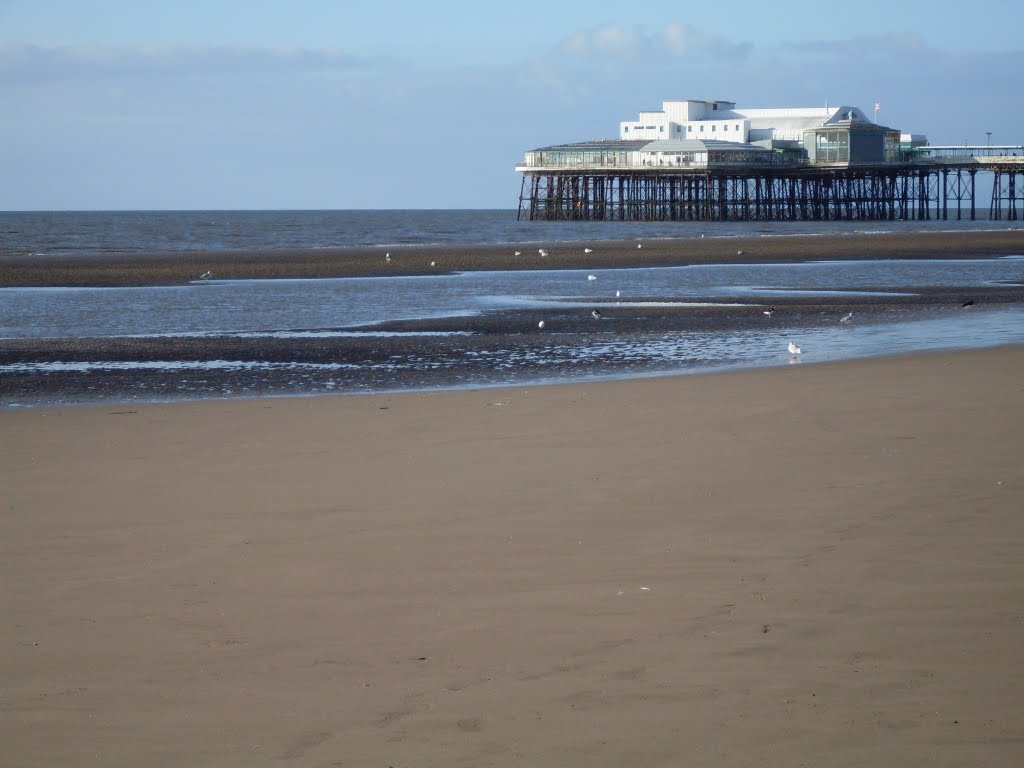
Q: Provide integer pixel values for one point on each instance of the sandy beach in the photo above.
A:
(813, 565)
(177, 267)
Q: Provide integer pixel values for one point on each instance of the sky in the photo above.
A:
(310, 104)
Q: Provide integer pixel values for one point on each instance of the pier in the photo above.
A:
(709, 161)
(923, 187)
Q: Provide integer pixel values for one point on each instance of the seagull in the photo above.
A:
(542, 252)
(596, 314)
(588, 250)
(618, 294)
(794, 349)
(433, 263)
(770, 311)
(519, 253)
(846, 318)
(967, 304)
(541, 325)
(387, 257)
(639, 245)
(591, 277)
(739, 253)
(207, 275)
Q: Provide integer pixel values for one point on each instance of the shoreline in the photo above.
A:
(115, 400)
(178, 267)
(817, 564)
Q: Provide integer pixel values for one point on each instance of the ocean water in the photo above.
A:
(449, 350)
(70, 233)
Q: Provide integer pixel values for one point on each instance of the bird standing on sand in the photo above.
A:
(542, 252)
(639, 245)
(541, 325)
(519, 253)
(794, 349)
(618, 294)
(846, 318)
(770, 311)
(596, 314)
(387, 257)
(588, 250)
(207, 275)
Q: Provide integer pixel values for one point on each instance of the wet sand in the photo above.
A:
(816, 564)
(171, 268)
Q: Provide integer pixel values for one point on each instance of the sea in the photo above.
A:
(351, 310)
(70, 233)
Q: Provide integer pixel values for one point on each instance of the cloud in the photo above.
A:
(683, 40)
(603, 41)
(21, 63)
(673, 41)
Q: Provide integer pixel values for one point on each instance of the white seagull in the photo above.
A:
(588, 250)
(542, 252)
(618, 294)
(591, 277)
(519, 253)
(639, 245)
(387, 257)
(846, 318)
(794, 349)
(770, 312)
(541, 325)
(433, 263)
(596, 314)
(207, 275)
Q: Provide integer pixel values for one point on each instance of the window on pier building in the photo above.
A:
(832, 147)
(891, 147)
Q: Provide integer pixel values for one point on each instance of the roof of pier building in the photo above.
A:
(641, 145)
(596, 145)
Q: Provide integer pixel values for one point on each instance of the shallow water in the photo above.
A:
(599, 355)
(255, 306)
(298, 337)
